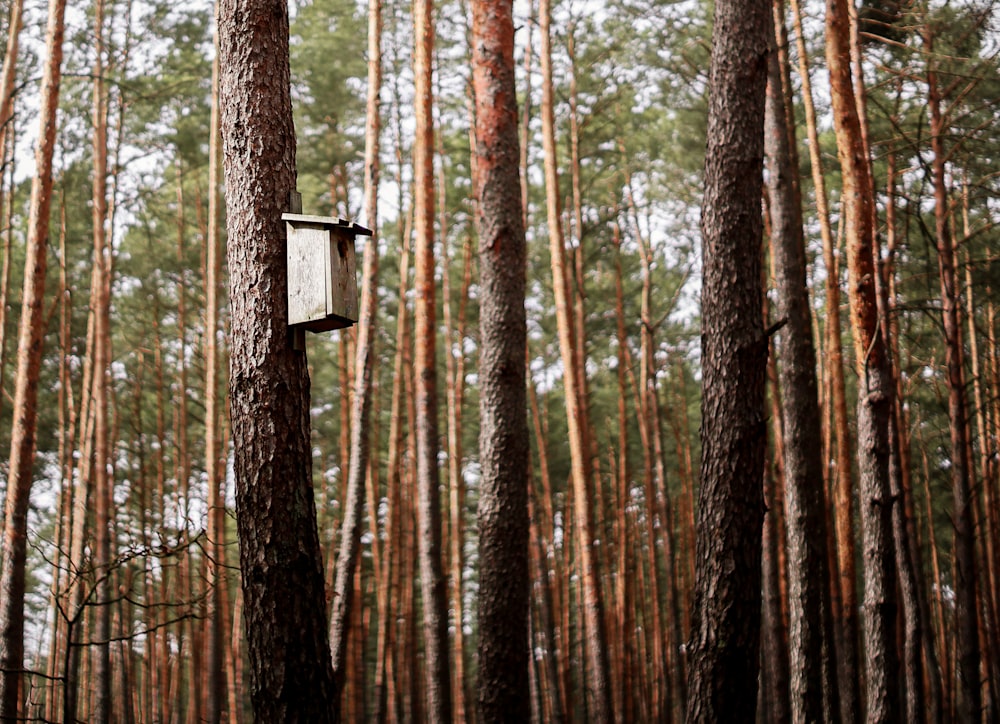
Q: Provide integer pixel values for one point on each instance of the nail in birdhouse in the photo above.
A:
(322, 273)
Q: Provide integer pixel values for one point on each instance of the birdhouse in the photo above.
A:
(322, 272)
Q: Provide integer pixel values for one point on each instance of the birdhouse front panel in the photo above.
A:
(322, 272)
(308, 273)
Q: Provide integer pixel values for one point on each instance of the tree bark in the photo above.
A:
(726, 636)
(218, 616)
(663, 639)
(846, 619)
(504, 582)
(8, 75)
(774, 637)
(966, 603)
(364, 366)
(915, 669)
(598, 684)
(101, 304)
(432, 581)
(875, 379)
(31, 331)
(290, 670)
(805, 507)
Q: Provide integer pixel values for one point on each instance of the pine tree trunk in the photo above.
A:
(845, 618)
(542, 520)
(725, 640)
(774, 637)
(8, 74)
(364, 366)
(290, 669)
(432, 581)
(625, 605)
(966, 601)
(455, 395)
(919, 660)
(102, 360)
(384, 682)
(455, 359)
(31, 331)
(598, 685)
(7, 220)
(663, 640)
(218, 581)
(504, 582)
(67, 426)
(875, 379)
(805, 507)
(7, 161)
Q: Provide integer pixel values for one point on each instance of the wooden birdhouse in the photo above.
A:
(322, 272)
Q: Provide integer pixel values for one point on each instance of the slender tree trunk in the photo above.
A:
(218, 581)
(455, 393)
(918, 663)
(846, 621)
(504, 582)
(67, 426)
(774, 637)
(388, 592)
(182, 463)
(725, 640)
(31, 331)
(805, 508)
(775, 475)
(8, 74)
(624, 617)
(663, 640)
(432, 581)
(598, 684)
(291, 673)
(364, 367)
(543, 519)
(966, 602)
(102, 360)
(7, 162)
(455, 359)
(989, 503)
(875, 379)
(7, 221)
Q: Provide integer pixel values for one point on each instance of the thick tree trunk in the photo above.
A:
(291, 673)
(31, 331)
(725, 639)
(503, 444)
(875, 379)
